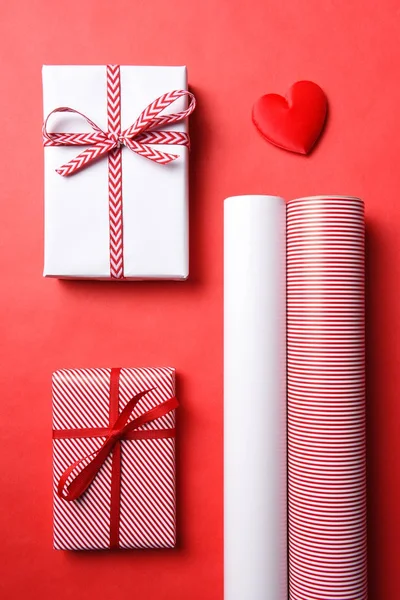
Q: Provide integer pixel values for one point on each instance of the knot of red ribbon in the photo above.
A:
(139, 137)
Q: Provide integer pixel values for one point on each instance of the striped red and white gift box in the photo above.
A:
(147, 495)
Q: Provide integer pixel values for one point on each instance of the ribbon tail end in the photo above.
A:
(169, 158)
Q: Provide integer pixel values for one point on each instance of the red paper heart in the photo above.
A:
(293, 123)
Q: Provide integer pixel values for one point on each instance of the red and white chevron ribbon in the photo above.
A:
(326, 399)
(81, 399)
(139, 137)
(115, 172)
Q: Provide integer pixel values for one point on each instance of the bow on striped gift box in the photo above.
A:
(139, 137)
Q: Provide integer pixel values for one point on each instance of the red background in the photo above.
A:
(235, 51)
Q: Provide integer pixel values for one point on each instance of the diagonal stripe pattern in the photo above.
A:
(147, 501)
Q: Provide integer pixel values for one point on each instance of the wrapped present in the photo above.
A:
(116, 171)
(114, 458)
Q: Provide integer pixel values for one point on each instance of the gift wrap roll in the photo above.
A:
(326, 399)
(255, 468)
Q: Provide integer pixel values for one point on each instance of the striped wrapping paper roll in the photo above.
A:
(326, 399)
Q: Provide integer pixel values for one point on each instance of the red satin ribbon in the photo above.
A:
(119, 429)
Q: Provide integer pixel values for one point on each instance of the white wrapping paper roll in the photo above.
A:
(255, 469)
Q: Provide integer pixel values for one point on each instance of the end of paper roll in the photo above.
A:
(253, 198)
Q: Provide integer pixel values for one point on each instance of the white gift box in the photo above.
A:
(154, 196)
